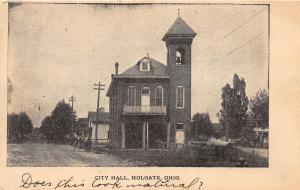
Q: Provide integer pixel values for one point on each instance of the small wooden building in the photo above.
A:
(102, 126)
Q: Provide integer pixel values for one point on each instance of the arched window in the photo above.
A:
(180, 56)
(159, 91)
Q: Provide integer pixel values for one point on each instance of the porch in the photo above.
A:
(151, 132)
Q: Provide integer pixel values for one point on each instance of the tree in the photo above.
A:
(12, 125)
(201, 125)
(47, 127)
(26, 126)
(18, 125)
(259, 108)
(59, 123)
(234, 107)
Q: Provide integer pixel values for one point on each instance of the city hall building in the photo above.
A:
(150, 103)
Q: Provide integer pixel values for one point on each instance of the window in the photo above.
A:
(159, 96)
(180, 56)
(131, 96)
(180, 97)
(145, 65)
(179, 126)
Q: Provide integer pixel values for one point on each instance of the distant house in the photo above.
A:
(262, 135)
(254, 131)
(102, 127)
(150, 102)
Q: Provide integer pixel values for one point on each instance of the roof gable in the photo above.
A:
(157, 69)
(180, 28)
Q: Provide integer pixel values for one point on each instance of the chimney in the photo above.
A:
(116, 68)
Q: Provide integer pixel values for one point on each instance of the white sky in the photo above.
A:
(56, 50)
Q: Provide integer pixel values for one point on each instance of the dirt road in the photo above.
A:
(53, 155)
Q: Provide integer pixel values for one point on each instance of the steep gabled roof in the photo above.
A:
(179, 28)
(157, 70)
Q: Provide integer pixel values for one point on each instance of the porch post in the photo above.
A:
(147, 137)
(144, 135)
(123, 135)
(168, 135)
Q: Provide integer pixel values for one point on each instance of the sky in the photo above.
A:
(59, 50)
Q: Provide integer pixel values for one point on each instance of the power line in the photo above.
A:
(245, 44)
(251, 70)
(224, 23)
(231, 32)
(234, 50)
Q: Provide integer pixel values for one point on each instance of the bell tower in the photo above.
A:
(178, 41)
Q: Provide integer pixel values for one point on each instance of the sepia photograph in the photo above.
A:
(138, 85)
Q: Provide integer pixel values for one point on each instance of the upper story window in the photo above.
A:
(131, 96)
(159, 96)
(180, 56)
(180, 97)
(145, 65)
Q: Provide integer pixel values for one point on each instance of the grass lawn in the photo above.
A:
(191, 158)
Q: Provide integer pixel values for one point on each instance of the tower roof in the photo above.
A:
(179, 28)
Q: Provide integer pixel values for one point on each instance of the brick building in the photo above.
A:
(150, 103)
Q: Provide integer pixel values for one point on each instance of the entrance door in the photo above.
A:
(145, 99)
(180, 133)
(179, 136)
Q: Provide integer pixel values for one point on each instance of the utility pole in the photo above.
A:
(72, 99)
(218, 115)
(226, 120)
(98, 87)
